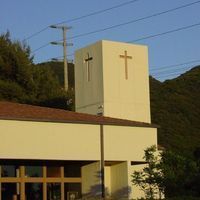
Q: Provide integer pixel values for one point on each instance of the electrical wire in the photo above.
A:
(45, 45)
(170, 70)
(98, 12)
(145, 37)
(36, 33)
(167, 75)
(174, 65)
(82, 17)
(133, 21)
(165, 33)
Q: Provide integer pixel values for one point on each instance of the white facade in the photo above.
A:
(117, 87)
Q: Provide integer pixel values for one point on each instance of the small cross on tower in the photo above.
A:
(126, 57)
(87, 61)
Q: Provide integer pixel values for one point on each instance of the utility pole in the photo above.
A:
(64, 44)
(102, 163)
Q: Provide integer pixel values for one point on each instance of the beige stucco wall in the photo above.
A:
(135, 191)
(119, 180)
(44, 140)
(91, 182)
(127, 143)
(120, 97)
(107, 180)
(66, 141)
(126, 98)
(89, 94)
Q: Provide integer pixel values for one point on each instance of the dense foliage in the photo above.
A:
(22, 81)
(168, 173)
(150, 179)
(175, 106)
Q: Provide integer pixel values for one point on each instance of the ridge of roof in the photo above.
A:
(25, 112)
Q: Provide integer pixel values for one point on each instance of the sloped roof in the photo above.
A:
(24, 112)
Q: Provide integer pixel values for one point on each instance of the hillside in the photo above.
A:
(57, 68)
(175, 106)
(23, 81)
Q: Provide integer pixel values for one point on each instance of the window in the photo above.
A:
(72, 170)
(53, 191)
(53, 172)
(10, 171)
(33, 171)
(10, 191)
(38, 180)
(72, 191)
(33, 191)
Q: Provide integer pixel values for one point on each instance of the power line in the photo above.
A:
(155, 35)
(165, 33)
(36, 33)
(68, 55)
(175, 65)
(58, 57)
(45, 45)
(146, 37)
(134, 21)
(158, 75)
(167, 75)
(139, 19)
(98, 12)
(170, 70)
(82, 17)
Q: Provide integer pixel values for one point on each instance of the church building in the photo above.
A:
(54, 154)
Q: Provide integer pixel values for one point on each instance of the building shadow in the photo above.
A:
(95, 192)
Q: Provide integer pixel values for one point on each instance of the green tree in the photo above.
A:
(15, 61)
(15, 69)
(170, 173)
(179, 174)
(23, 81)
(150, 178)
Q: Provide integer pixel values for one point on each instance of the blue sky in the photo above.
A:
(25, 17)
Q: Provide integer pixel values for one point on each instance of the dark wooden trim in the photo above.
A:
(129, 124)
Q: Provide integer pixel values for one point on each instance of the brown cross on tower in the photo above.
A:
(87, 61)
(126, 57)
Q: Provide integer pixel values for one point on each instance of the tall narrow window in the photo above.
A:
(53, 191)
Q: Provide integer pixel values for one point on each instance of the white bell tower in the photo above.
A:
(111, 79)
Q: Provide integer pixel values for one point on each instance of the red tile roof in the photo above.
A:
(24, 112)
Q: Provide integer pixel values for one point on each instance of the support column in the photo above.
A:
(0, 185)
(102, 163)
(62, 184)
(22, 184)
(44, 183)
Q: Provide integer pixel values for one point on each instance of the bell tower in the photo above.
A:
(111, 79)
